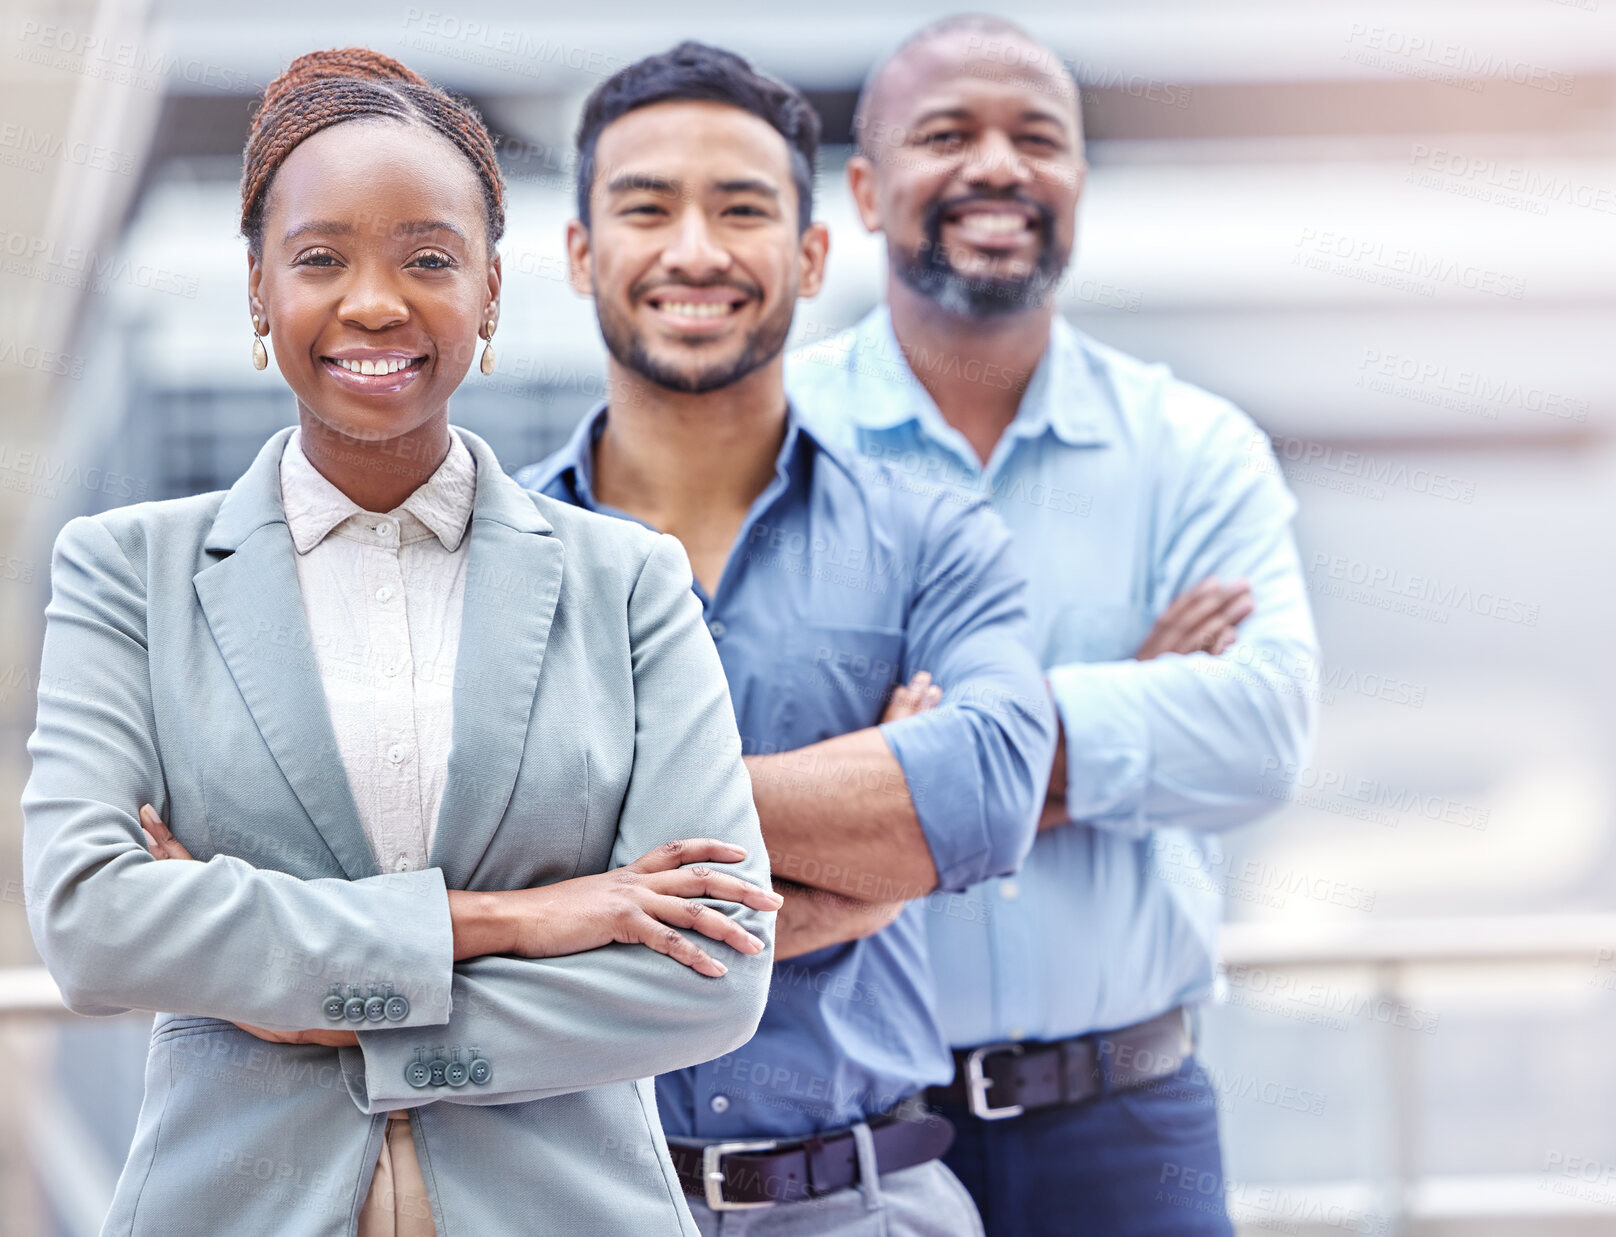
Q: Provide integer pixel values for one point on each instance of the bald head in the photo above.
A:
(970, 45)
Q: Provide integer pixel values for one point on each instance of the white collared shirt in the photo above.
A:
(383, 594)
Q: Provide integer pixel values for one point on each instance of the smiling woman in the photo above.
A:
(446, 743)
(369, 261)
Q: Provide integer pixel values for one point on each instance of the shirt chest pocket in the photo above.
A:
(1095, 633)
(842, 677)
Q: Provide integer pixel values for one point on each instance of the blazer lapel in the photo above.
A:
(513, 579)
(254, 607)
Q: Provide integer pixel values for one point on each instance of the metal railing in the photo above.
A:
(1388, 949)
(1420, 942)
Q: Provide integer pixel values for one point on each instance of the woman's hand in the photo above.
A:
(161, 843)
(640, 904)
(164, 845)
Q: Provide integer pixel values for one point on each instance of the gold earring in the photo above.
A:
(487, 364)
(260, 354)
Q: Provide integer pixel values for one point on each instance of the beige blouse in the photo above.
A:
(383, 595)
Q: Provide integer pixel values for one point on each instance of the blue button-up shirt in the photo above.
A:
(840, 584)
(1123, 487)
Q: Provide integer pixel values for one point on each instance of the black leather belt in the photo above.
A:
(735, 1176)
(1005, 1080)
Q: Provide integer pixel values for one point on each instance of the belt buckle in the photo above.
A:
(712, 1172)
(977, 1083)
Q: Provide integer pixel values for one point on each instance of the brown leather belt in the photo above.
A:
(1005, 1080)
(734, 1176)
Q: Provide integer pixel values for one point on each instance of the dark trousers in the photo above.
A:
(1138, 1163)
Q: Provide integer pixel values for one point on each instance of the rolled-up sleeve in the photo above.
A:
(1198, 741)
(977, 765)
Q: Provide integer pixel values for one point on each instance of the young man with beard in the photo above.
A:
(823, 584)
(1155, 524)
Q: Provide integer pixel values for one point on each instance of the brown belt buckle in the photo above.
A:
(712, 1172)
(977, 1083)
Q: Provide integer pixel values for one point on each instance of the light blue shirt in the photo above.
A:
(841, 583)
(1123, 487)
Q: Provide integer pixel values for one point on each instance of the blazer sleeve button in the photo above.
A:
(397, 1008)
(479, 1070)
(375, 1007)
(458, 1071)
(354, 1008)
(440, 1070)
(332, 1006)
(418, 1073)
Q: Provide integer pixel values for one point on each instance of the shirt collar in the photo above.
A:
(1063, 395)
(574, 464)
(315, 508)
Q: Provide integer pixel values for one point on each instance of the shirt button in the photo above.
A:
(1009, 891)
(384, 593)
(384, 531)
(1018, 1033)
(719, 1103)
(716, 626)
(402, 864)
(390, 669)
(396, 753)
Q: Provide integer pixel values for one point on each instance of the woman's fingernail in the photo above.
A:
(722, 969)
(151, 842)
(755, 945)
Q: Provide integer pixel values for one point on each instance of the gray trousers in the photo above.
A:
(924, 1201)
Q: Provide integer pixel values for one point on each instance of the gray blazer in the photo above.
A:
(591, 723)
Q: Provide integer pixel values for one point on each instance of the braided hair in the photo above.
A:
(326, 88)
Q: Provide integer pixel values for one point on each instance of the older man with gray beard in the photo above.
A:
(1169, 613)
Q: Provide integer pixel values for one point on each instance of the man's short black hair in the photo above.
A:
(696, 71)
